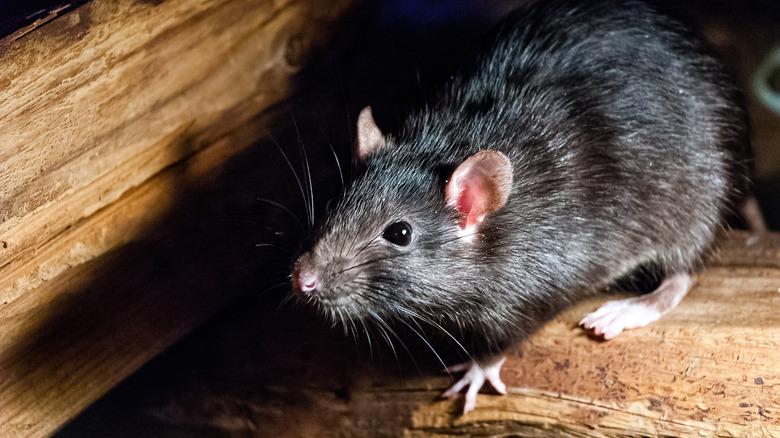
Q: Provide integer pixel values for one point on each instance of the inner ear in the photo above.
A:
(369, 137)
(479, 186)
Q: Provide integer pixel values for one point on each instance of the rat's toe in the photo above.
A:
(475, 377)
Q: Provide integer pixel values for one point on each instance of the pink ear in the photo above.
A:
(369, 137)
(480, 186)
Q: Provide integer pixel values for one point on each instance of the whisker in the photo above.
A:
(270, 289)
(284, 208)
(288, 299)
(269, 245)
(307, 173)
(368, 262)
(309, 213)
(400, 341)
(368, 339)
(433, 323)
(377, 290)
(364, 246)
(425, 340)
(338, 164)
(381, 327)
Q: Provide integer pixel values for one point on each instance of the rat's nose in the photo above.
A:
(306, 281)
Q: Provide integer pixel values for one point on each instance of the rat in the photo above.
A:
(591, 141)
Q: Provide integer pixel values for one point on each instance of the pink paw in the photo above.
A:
(475, 377)
(615, 316)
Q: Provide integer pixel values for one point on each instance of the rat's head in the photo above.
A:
(402, 238)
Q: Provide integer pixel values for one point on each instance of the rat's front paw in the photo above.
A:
(476, 374)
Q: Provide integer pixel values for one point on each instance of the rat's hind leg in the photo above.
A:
(615, 316)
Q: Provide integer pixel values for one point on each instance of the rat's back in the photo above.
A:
(623, 132)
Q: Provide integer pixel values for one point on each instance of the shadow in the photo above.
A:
(226, 244)
(19, 14)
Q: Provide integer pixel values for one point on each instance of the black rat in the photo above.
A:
(593, 140)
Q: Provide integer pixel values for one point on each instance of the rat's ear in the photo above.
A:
(369, 137)
(479, 186)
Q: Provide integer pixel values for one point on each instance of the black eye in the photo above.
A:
(399, 233)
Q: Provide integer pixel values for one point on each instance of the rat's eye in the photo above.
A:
(399, 233)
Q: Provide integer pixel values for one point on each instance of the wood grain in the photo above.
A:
(111, 113)
(707, 369)
(121, 90)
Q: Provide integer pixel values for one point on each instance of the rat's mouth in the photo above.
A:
(337, 305)
(314, 292)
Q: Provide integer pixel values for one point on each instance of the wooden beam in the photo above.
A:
(114, 92)
(707, 369)
(111, 113)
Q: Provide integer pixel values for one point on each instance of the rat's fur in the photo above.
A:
(626, 141)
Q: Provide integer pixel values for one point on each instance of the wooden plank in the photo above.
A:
(121, 90)
(708, 369)
(110, 114)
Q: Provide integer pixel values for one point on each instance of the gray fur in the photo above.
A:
(627, 142)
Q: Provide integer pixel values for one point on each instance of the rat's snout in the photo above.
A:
(305, 278)
(306, 281)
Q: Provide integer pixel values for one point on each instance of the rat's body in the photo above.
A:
(593, 139)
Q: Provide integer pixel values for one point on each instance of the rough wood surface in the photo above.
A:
(103, 98)
(110, 115)
(708, 369)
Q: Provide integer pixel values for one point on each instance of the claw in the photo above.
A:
(476, 374)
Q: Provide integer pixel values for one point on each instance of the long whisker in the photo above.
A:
(288, 299)
(393, 256)
(364, 246)
(307, 172)
(400, 341)
(433, 323)
(309, 213)
(280, 286)
(284, 208)
(269, 245)
(348, 325)
(425, 340)
(338, 163)
(368, 339)
(380, 325)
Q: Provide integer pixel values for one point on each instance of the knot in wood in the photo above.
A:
(296, 49)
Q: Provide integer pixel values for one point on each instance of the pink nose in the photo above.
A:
(306, 281)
